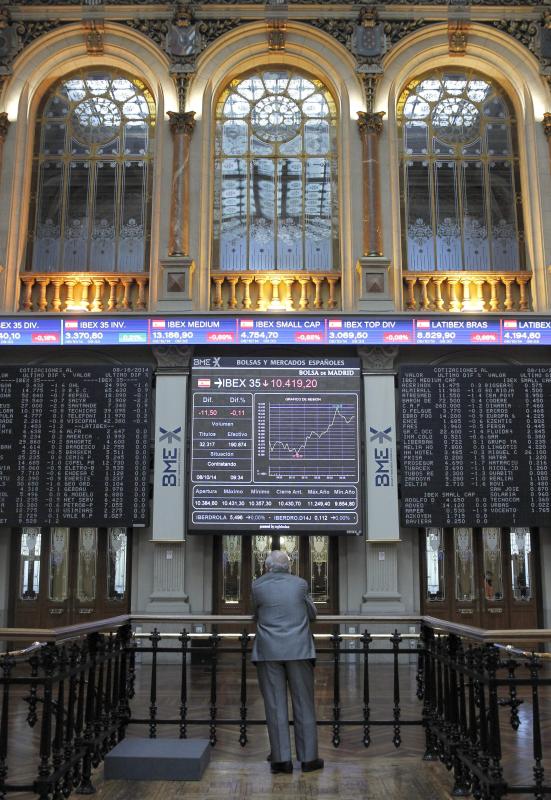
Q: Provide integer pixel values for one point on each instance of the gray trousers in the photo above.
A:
(273, 677)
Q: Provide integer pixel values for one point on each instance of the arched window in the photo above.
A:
(460, 187)
(275, 174)
(92, 175)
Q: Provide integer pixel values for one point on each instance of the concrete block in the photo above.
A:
(157, 760)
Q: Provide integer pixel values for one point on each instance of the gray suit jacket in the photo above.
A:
(282, 609)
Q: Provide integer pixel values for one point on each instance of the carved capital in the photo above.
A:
(172, 358)
(546, 122)
(181, 121)
(378, 359)
(4, 125)
(370, 122)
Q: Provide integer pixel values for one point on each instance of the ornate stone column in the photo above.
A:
(4, 125)
(181, 126)
(370, 124)
(373, 268)
(175, 290)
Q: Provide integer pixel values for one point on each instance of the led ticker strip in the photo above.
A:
(275, 330)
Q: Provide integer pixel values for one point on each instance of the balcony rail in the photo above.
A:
(275, 291)
(467, 291)
(83, 291)
(78, 688)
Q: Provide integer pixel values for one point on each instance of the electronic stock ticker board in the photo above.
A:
(275, 445)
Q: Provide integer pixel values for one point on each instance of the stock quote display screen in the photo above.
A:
(475, 445)
(275, 445)
(74, 445)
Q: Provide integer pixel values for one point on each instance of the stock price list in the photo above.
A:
(475, 445)
(275, 445)
(74, 445)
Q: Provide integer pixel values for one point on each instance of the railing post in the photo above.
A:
(48, 663)
(213, 676)
(429, 692)
(366, 641)
(244, 639)
(397, 737)
(86, 786)
(154, 639)
(496, 770)
(336, 643)
(184, 639)
(124, 682)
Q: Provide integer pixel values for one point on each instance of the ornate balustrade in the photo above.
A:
(467, 291)
(265, 291)
(78, 690)
(83, 291)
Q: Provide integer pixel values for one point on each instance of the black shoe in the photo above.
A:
(282, 766)
(312, 766)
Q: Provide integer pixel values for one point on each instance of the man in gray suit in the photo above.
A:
(284, 653)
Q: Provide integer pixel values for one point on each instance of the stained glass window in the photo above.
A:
(92, 175)
(460, 187)
(275, 167)
(434, 544)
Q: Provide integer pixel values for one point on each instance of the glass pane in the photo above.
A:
(448, 241)
(234, 137)
(290, 545)
(132, 257)
(319, 568)
(87, 564)
(233, 212)
(47, 244)
(504, 233)
(261, 549)
(231, 569)
(420, 240)
(29, 576)
(117, 541)
(475, 233)
(521, 564)
(289, 213)
(464, 564)
(76, 221)
(262, 210)
(102, 251)
(436, 587)
(416, 137)
(59, 565)
(493, 580)
(317, 205)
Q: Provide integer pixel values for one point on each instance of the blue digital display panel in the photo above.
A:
(274, 330)
(92, 330)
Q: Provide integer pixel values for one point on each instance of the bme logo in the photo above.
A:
(382, 456)
(170, 435)
(170, 456)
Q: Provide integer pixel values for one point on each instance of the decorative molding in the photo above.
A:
(370, 122)
(458, 35)
(276, 34)
(94, 36)
(181, 122)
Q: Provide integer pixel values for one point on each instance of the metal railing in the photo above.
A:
(77, 687)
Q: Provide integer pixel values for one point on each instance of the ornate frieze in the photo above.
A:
(4, 125)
